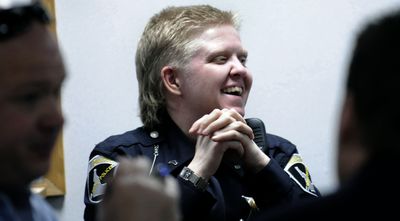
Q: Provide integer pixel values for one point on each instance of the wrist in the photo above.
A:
(260, 161)
(189, 175)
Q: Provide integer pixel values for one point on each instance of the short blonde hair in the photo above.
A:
(166, 40)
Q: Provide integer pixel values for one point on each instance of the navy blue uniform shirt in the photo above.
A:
(231, 191)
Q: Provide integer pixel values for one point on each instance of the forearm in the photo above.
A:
(195, 204)
(271, 185)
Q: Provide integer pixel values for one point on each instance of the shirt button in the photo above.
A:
(173, 162)
(154, 134)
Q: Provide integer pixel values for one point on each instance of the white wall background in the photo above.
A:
(299, 52)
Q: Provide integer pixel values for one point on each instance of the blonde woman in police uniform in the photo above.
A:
(193, 85)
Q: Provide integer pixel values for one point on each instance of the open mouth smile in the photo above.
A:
(235, 90)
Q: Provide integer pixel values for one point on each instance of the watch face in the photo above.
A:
(186, 173)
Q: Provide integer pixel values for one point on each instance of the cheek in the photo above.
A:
(198, 84)
(249, 81)
(13, 139)
(16, 127)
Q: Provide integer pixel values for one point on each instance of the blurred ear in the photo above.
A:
(351, 153)
(346, 126)
(169, 77)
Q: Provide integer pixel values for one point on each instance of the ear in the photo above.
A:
(348, 127)
(351, 153)
(346, 118)
(170, 79)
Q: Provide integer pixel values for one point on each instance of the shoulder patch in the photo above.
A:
(298, 171)
(100, 171)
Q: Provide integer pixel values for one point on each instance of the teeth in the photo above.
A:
(233, 90)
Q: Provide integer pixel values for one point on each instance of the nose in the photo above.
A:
(240, 72)
(238, 67)
(51, 119)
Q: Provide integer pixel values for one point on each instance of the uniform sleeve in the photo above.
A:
(100, 171)
(195, 204)
(285, 180)
(273, 186)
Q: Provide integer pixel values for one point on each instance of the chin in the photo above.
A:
(240, 110)
(235, 106)
(39, 169)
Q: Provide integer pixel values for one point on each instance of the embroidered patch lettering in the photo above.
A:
(300, 174)
(100, 171)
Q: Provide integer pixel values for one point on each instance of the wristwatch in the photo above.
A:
(198, 182)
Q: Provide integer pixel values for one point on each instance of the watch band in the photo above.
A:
(188, 175)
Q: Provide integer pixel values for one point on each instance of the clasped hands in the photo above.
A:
(223, 131)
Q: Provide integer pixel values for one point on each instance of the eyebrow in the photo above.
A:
(213, 53)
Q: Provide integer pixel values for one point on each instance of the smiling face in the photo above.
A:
(216, 76)
(31, 75)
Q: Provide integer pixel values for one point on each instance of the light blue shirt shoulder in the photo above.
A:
(41, 210)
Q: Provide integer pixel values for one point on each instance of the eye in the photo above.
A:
(220, 60)
(243, 60)
(56, 92)
(28, 99)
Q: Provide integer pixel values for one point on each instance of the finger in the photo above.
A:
(218, 124)
(204, 121)
(236, 115)
(171, 187)
(196, 125)
(228, 116)
(138, 182)
(232, 135)
(235, 126)
(235, 146)
(133, 166)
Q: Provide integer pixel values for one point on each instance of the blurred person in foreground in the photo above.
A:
(368, 153)
(31, 77)
(193, 88)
